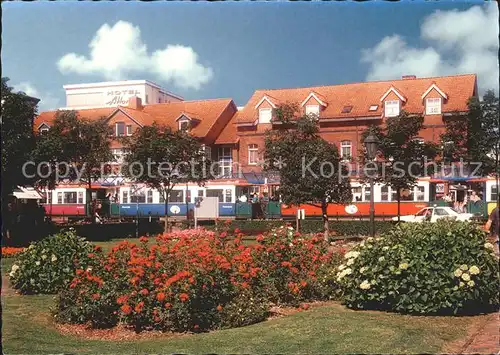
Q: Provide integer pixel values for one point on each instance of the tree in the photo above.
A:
(473, 138)
(76, 149)
(16, 124)
(162, 158)
(309, 167)
(402, 157)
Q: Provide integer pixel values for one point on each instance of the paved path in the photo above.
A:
(486, 340)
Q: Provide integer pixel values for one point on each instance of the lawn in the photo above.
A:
(29, 328)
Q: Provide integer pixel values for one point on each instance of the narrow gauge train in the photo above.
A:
(121, 202)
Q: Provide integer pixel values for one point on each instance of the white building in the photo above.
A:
(114, 93)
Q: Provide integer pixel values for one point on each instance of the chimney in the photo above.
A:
(135, 103)
(408, 77)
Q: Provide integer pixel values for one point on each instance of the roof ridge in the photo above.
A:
(366, 82)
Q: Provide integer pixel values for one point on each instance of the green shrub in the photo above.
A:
(49, 264)
(424, 268)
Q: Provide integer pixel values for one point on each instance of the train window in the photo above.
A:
(407, 195)
(384, 193)
(229, 195)
(356, 193)
(188, 196)
(367, 193)
(80, 196)
(70, 197)
(420, 192)
(494, 193)
(48, 197)
(150, 196)
(200, 193)
(394, 193)
(138, 197)
(215, 193)
(124, 196)
(59, 197)
(176, 196)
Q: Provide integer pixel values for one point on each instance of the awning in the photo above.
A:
(26, 194)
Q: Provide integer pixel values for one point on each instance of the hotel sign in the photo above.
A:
(119, 97)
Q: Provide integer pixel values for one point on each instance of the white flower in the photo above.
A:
(464, 267)
(15, 267)
(32, 281)
(381, 258)
(465, 277)
(474, 270)
(365, 285)
(455, 288)
(458, 273)
(369, 239)
(462, 284)
(350, 261)
(385, 248)
(351, 254)
(362, 244)
(37, 263)
(341, 267)
(489, 246)
(53, 258)
(403, 266)
(343, 273)
(89, 268)
(44, 257)
(363, 269)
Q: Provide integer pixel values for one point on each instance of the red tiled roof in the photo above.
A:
(361, 96)
(229, 134)
(206, 112)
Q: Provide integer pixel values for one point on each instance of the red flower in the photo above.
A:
(183, 297)
(168, 305)
(219, 308)
(305, 306)
(96, 296)
(160, 296)
(126, 309)
(143, 239)
(196, 326)
(237, 231)
(122, 299)
(90, 255)
(303, 283)
(138, 308)
(260, 238)
(144, 292)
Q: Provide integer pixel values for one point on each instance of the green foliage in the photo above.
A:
(18, 113)
(309, 167)
(48, 265)
(423, 268)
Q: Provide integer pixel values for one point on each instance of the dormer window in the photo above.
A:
(184, 125)
(265, 115)
(391, 108)
(433, 106)
(373, 108)
(129, 130)
(312, 110)
(44, 130)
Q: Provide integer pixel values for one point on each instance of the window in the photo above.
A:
(441, 212)
(44, 130)
(70, 197)
(384, 193)
(423, 212)
(124, 196)
(48, 197)
(367, 193)
(265, 115)
(138, 197)
(494, 193)
(150, 196)
(225, 161)
(407, 195)
(373, 108)
(59, 198)
(347, 109)
(229, 195)
(253, 154)
(312, 110)
(391, 108)
(346, 150)
(394, 196)
(420, 193)
(356, 194)
(119, 154)
(80, 196)
(176, 196)
(159, 100)
(119, 129)
(129, 130)
(147, 98)
(215, 193)
(184, 125)
(433, 106)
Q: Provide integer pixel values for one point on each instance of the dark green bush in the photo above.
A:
(424, 268)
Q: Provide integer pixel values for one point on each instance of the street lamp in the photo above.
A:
(371, 145)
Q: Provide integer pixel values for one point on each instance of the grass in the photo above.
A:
(28, 328)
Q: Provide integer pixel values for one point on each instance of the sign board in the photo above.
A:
(351, 209)
(175, 209)
(301, 213)
(120, 97)
(208, 209)
(440, 188)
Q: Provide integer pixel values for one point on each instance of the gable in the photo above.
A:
(436, 89)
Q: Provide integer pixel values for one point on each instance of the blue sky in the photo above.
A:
(209, 50)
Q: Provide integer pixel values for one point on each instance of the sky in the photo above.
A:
(217, 50)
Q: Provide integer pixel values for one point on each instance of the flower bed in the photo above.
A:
(9, 252)
(424, 268)
(198, 280)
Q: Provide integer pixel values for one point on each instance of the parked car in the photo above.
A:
(432, 214)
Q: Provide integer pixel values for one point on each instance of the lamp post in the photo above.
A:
(371, 144)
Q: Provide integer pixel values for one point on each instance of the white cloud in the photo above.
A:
(118, 50)
(47, 100)
(458, 42)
